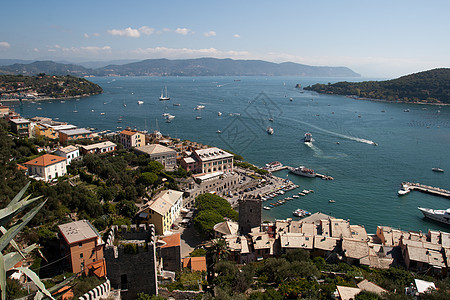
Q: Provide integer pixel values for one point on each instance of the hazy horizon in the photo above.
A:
(383, 39)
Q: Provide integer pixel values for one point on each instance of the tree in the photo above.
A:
(205, 220)
(147, 178)
(155, 167)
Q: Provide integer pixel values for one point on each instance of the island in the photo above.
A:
(431, 86)
(42, 87)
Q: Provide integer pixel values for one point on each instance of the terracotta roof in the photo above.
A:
(128, 132)
(173, 240)
(98, 268)
(194, 263)
(45, 160)
(22, 168)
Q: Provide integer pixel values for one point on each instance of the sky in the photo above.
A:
(382, 39)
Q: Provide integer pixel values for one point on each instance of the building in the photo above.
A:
(74, 134)
(130, 254)
(47, 167)
(195, 264)
(4, 110)
(166, 156)
(169, 251)
(103, 147)
(213, 160)
(69, 152)
(82, 244)
(249, 214)
(225, 228)
(21, 126)
(162, 210)
(51, 129)
(132, 138)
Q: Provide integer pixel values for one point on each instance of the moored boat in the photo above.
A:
(303, 171)
(270, 130)
(437, 170)
(199, 107)
(140, 102)
(164, 97)
(442, 216)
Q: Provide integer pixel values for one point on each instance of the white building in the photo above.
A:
(69, 152)
(214, 160)
(47, 167)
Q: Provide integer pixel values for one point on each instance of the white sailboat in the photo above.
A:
(164, 97)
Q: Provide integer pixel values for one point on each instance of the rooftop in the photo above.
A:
(154, 149)
(75, 131)
(20, 121)
(78, 231)
(68, 149)
(99, 145)
(172, 240)
(128, 132)
(212, 154)
(163, 201)
(45, 160)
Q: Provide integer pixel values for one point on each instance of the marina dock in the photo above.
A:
(409, 186)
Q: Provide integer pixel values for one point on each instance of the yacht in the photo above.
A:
(269, 130)
(200, 107)
(437, 170)
(303, 171)
(308, 138)
(404, 190)
(442, 216)
(164, 96)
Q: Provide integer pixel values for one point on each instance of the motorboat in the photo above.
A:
(218, 131)
(404, 190)
(331, 201)
(176, 104)
(266, 208)
(437, 170)
(270, 119)
(269, 130)
(164, 96)
(308, 138)
(199, 107)
(140, 102)
(219, 113)
(198, 117)
(442, 216)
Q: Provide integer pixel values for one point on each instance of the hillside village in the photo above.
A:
(163, 227)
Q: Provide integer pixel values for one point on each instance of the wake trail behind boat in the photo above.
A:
(332, 133)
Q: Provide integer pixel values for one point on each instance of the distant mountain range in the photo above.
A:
(181, 67)
(432, 86)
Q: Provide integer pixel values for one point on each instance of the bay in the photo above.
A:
(367, 177)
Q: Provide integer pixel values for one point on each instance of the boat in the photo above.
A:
(406, 110)
(218, 131)
(404, 190)
(270, 119)
(102, 113)
(272, 166)
(295, 196)
(303, 171)
(176, 104)
(198, 117)
(219, 113)
(39, 108)
(269, 130)
(439, 215)
(301, 213)
(266, 208)
(170, 117)
(437, 170)
(291, 99)
(331, 201)
(199, 107)
(164, 96)
(308, 138)
(140, 102)
(124, 105)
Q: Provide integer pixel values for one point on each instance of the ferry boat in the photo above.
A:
(308, 138)
(273, 165)
(442, 216)
(269, 130)
(437, 170)
(164, 97)
(303, 171)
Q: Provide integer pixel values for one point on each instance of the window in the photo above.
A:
(81, 255)
(80, 244)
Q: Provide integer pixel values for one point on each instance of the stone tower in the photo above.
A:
(249, 213)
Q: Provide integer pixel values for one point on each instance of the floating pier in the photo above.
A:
(410, 186)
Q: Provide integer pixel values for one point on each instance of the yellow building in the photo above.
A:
(51, 131)
(132, 138)
(162, 211)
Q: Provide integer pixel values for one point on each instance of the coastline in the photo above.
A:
(48, 98)
(388, 101)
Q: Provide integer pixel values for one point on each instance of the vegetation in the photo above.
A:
(426, 87)
(47, 86)
(246, 165)
(212, 209)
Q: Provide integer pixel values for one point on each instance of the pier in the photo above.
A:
(409, 186)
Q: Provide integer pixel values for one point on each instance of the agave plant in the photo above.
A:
(9, 260)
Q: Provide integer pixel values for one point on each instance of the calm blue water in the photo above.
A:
(367, 177)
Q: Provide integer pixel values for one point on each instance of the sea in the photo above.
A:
(410, 139)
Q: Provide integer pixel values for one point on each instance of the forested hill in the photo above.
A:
(182, 67)
(13, 86)
(431, 86)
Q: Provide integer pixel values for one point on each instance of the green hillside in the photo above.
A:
(431, 86)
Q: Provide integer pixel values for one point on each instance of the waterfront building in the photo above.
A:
(47, 167)
(50, 129)
(70, 152)
(81, 244)
(98, 148)
(162, 211)
(212, 160)
(75, 134)
(166, 156)
(131, 138)
(21, 126)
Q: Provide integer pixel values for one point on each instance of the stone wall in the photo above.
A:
(134, 272)
(100, 292)
(178, 295)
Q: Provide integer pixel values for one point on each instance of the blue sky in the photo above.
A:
(380, 38)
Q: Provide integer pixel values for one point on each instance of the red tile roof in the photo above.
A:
(128, 132)
(45, 160)
(194, 263)
(171, 240)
